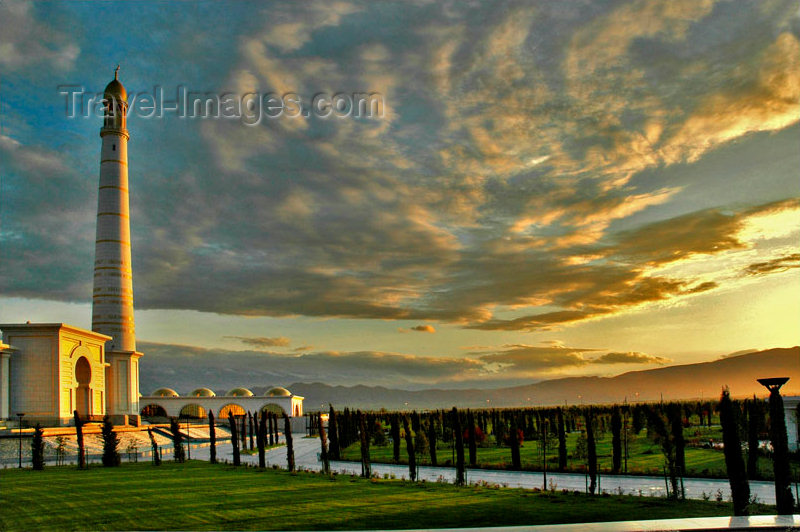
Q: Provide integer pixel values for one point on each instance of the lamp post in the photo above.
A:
(20, 415)
(780, 445)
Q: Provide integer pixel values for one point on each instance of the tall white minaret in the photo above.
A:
(112, 300)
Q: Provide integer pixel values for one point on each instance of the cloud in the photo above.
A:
(776, 265)
(424, 328)
(262, 341)
(188, 367)
(27, 42)
(192, 366)
(629, 358)
(521, 179)
(530, 360)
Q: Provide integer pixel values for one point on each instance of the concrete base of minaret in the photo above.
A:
(122, 386)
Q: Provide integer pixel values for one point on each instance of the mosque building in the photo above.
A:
(50, 370)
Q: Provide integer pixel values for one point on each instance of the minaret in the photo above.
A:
(112, 303)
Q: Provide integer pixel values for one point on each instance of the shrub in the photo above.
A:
(37, 448)
(110, 444)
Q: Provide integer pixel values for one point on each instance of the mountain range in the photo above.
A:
(703, 381)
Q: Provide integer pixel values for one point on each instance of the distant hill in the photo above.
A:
(689, 381)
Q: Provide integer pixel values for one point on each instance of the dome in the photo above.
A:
(115, 90)
(278, 392)
(240, 392)
(165, 392)
(203, 392)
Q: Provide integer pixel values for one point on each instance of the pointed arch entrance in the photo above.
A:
(83, 395)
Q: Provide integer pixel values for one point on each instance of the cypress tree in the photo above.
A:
(110, 444)
(242, 430)
(754, 425)
(395, 430)
(591, 449)
(473, 449)
(459, 443)
(675, 413)
(516, 462)
(250, 423)
(234, 438)
(37, 448)
(323, 443)
(562, 441)
(432, 440)
(616, 441)
(333, 435)
(287, 434)
(212, 437)
(740, 488)
(412, 459)
(177, 441)
(79, 437)
(366, 468)
(154, 447)
(780, 454)
(262, 439)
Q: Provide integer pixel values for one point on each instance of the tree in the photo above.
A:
(432, 440)
(110, 444)
(395, 429)
(459, 443)
(378, 435)
(658, 429)
(271, 422)
(363, 436)
(37, 448)
(755, 423)
(562, 441)
(737, 476)
(251, 427)
(780, 453)
(591, 449)
(237, 459)
(242, 431)
(287, 434)
(154, 447)
(333, 435)
(473, 448)
(79, 437)
(675, 413)
(616, 440)
(212, 437)
(177, 440)
(323, 442)
(412, 459)
(513, 440)
(261, 438)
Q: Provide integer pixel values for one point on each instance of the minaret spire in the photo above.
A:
(112, 300)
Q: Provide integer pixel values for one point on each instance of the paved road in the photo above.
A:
(306, 450)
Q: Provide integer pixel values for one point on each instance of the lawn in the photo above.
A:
(200, 496)
(644, 456)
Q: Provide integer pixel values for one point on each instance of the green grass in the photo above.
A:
(200, 496)
(644, 456)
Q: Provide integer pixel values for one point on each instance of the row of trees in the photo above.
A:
(548, 426)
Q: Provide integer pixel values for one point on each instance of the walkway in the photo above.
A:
(307, 449)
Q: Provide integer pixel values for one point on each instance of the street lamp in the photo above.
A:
(780, 445)
(20, 415)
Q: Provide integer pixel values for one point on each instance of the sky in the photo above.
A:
(548, 189)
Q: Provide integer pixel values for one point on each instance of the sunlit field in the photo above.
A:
(200, 496)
